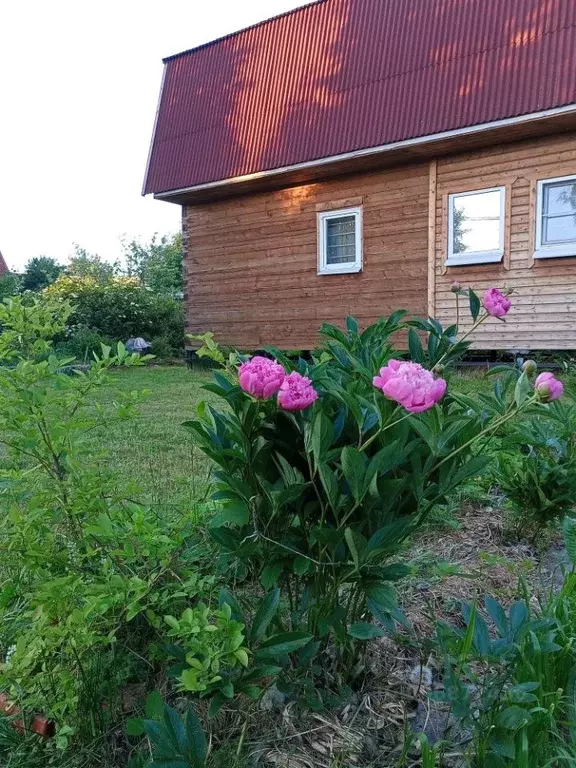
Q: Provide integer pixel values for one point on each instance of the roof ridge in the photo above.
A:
(244, 29)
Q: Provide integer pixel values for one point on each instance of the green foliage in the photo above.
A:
(120, 309)
(87, 573)
(9, 285)
(83, 344)
(209, 639)
(40, 272)
(513, 688)
(176, 742)
(319, 503)
(85, 264)
(536, 468)
(158, 264)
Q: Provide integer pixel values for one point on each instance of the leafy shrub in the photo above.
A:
(318, 501)
(514, 688)
(83, 343)
(161, 347)
(9, 286)
(87, 572)
(536, 468)
(121, 309)
(174, 742)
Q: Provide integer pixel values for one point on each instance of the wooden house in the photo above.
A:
(358, 156)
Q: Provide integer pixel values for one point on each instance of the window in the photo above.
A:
(556, 218)
(340, 241)
(476, 222)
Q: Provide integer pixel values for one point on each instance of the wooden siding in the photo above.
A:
(251, 262)
(544, 299)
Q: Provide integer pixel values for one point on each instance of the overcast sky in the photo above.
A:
(79, 86)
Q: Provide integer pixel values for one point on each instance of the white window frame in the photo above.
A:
(476, 257)
(543, 251)
(339, 269)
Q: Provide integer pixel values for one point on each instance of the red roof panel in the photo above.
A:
(342, 75)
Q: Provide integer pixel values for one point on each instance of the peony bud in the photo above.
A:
(496, 303)
(455, 287)
(530, 367)
(548, 387)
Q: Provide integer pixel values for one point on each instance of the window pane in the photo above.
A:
(477, 236)
(341, 240)
(560, 198)
(476, 224)
(558, 229)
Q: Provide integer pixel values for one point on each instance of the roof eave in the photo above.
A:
(460, 139)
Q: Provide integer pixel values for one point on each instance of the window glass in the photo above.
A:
(341, 240)
(559, 213)
(476, 222)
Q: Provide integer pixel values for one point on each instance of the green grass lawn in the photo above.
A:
(154, 450)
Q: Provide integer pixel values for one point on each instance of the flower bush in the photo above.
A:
(118, 309)
(536, 466)
(320, 486)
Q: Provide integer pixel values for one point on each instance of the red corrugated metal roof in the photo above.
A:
(342, 75)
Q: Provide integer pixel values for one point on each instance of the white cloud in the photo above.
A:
(79, 86)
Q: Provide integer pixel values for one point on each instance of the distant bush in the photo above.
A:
(536, 469)
(9, 286)
(121, 309)
(83, 343)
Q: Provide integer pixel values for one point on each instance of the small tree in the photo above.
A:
(158, 263)
(40, 272)
(85, 264)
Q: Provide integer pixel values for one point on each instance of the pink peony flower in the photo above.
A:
(409, 384)
(296, 393)
(495, 303)
(548, 386)
(261, 377)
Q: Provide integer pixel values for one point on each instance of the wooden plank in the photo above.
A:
(251, 262)
(432, 237)
(544, 298)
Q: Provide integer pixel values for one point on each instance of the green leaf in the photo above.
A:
(415, 347)
(175, 729)
(330, 483)
(236, 514)
(321, 437)
(513, 718)
(518, 615)
(283, 644)
(154, 707)
(260, 673)
(264, 615)
(352, 325)
(569, 531)
(354, 468)
(523, 693)
(522, 390)
(383, 595)
(161, 743)
(270, 574)
(216, 704)
(134, 726)
(301, 565)
(474, 304)
(228, 598)
(364, 631)
(356, 544)
(497, 614)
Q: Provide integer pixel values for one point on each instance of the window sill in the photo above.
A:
(349, 270)
(552, 253)
(479, 258)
